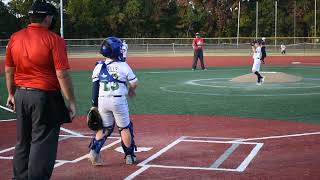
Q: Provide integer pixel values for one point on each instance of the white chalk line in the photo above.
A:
(245, 68)
(219, 142)
(190, 71)
(62, 162)
(190, 168)
(7, 109)
(86, 155)
(204, 137)
(165, 89)
(163, 150)
(6, 157)
(61, 128)
(7, 150)
(71, 132)
(146, 166)
(85, 136)
(225, 155)
(266, 86)
(304, 63)
(240, 168)
(143, 163)
(269, 72)
(12, 148)
(229, 151)
(280, 136)
(7, 120)
(137, 172)
(64, 137)
(249, 158)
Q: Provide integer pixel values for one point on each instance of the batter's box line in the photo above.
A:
(64, 137)
(62, 162)
(6, 157)
(144, 165)
(61, 128)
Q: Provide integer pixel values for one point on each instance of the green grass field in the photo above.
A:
(182, 91)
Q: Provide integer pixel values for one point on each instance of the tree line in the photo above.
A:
(171, 18)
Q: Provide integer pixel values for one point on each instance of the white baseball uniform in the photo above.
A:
(112, 101)
(256, 60)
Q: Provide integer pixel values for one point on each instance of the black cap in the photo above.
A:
(259, 41)
(41, 7)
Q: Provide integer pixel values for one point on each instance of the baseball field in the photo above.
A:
(212, 124)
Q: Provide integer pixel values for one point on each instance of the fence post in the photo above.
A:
(174, 51)
(147, 48)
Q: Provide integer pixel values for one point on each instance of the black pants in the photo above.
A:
(39, 116)
(198, 54)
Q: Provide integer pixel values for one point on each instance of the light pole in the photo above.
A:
(275, 24)
(238, 30)
(294, 23)
(315, 18)
(257, 18)
(61, 18)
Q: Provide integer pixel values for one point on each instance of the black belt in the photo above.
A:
(27, 88)
(112, 96)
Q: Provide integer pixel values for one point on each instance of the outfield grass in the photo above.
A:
(182, 91)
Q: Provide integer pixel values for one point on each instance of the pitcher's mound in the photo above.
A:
(271, 77)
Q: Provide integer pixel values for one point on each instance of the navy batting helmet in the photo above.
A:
(111, 48)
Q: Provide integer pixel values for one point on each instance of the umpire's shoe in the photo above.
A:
(130, 159)
(95, 158)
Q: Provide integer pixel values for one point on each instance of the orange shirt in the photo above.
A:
(197, 43)
(36, 53)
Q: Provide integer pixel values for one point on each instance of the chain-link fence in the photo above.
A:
(182, 46)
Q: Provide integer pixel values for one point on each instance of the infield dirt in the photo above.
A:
(271, 77)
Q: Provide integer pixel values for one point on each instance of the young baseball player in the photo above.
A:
(256, 49)
(112, 80)
(124, 50)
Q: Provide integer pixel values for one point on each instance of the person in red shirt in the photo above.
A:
(198, 52)
(36, 70)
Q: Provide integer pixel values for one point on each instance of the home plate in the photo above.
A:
(139, 149)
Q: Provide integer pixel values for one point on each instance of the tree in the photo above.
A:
(132, 12)
(8, 22)
(89, 18)
(20, 9)
(173, 18)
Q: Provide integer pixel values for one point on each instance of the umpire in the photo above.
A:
(36, 71)
(198, 52)
(263, 50)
